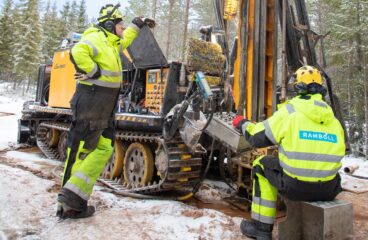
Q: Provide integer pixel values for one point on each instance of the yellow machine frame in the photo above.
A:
(267, 55)
(62, 82)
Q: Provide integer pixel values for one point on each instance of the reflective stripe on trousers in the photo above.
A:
(264, 197)
(77, 190)
(89, 169)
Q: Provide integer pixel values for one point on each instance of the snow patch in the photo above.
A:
(9, 103)
(211, 191)
(9, 130)
(31, 204)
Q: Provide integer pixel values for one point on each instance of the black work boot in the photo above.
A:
(256, 229)
(67, 212)
(70, 205)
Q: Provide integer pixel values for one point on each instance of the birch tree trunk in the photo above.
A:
(171, 6)
(154, 9)
(186, 21)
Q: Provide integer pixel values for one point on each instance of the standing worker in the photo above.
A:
(311, 146)
(91, 137)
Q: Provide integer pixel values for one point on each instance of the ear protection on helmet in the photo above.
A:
(109, 26)
(308, 80)
(312, 88)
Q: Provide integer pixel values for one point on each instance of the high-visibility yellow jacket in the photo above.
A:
(310, 139)
(97, 55)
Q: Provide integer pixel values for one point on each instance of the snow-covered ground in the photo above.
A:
(28, 201)
(28, 212)
(11, 102)
(9, 125)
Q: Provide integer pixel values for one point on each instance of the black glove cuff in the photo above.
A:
(240, 124)
(139, 22)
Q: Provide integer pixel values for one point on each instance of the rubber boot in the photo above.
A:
(256, 230)
(70, 205)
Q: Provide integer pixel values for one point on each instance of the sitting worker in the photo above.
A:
(91, 137)
(311, 146)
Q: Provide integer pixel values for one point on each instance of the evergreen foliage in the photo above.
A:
(25, 42)
(28, 55)
(65, 25)
(51, 35)
(32, 32)
(346, 51)
(73, 16)
(82, 18)
(7, 39)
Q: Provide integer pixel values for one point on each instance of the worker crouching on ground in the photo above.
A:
(91, 137)
(311, 146)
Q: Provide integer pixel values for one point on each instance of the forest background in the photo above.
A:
(32, 30)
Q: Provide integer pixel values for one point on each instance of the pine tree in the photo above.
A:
(82, 19)
(29, 54)
(73, 16)
(138, 8)
(50, 36)
(186, 22)
(6, 39)
(172, 42)
(204, 13)
(64, 20)
(346, 50)
(17, 23)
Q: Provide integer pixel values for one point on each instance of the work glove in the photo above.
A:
(149, 22)
(238, 122)
(141, 21)
(80, 76)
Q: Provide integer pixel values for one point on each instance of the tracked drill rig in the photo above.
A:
(144, 160)
(173, 119)
(273, 37)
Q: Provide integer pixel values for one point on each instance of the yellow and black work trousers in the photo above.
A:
(91, 137)
(269, 179)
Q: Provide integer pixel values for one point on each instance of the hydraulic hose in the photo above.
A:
(196, 187)
(222, 168)
(134, 195)
(143, 196)
(210, 117)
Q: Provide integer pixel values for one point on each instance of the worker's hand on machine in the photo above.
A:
(149, 22)
(141, 21)
(238, 122)
(80, 76)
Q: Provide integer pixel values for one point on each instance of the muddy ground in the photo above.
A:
(29, 186)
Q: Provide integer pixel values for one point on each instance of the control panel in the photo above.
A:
(155, 89)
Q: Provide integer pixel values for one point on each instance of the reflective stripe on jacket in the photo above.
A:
(311, 140)
(98, 51)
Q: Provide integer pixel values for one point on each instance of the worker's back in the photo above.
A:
(311, 139)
